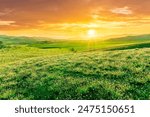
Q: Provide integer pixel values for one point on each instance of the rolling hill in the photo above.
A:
(116, 69)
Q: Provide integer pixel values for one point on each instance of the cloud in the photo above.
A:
(6, 11)
(75, 27)
(73, 15)
(125, 11)
(6, 23)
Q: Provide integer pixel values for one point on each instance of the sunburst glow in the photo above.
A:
(91, 33)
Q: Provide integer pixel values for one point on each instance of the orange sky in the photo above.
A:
(73, 18)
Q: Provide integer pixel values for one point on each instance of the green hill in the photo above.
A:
(121, 72)
(78, 45)
(82, 45)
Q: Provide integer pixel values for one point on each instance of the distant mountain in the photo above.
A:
(16, 40)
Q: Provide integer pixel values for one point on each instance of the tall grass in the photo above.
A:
(120, 74)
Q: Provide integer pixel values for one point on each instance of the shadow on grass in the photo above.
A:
(134, 46)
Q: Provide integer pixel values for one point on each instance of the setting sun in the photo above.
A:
(91, 33)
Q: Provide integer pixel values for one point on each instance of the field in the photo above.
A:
(78, 69)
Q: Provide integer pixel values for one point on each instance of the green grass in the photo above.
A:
(70, 70)
(19, 53)
(91, 75)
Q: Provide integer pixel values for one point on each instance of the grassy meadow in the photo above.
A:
(117, 68)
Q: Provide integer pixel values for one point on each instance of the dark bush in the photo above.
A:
(1, 44)
(72, 50)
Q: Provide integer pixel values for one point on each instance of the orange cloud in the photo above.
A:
(6, 23)
(125, 11)
(58, 17)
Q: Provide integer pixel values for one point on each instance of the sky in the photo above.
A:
(74, 18)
